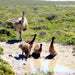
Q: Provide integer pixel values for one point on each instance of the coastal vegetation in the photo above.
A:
(46, 19)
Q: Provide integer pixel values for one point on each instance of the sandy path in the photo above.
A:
(64, 55)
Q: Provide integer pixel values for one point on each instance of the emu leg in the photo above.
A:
(26, 58)
(22, 54)
(20, 36)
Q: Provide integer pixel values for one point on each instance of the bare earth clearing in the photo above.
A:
(65, 55)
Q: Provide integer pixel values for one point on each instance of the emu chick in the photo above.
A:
(38, 48)
(51, 48)
(25, 47)
(31, 41)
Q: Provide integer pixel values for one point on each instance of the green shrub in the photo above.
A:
(1, 50)
(7, 34)
(5, 68)
(51, 16)
(69, 41)
(71, 13)
(40, 72)
(39, 27)
(1, 72)
(50, 72)
(3, 62)
(73, 47)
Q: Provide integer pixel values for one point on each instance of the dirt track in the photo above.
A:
(64, 55)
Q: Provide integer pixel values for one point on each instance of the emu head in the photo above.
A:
(35, 35)
(53, 38)
(23, 14)
(41, 45)
(23, 17)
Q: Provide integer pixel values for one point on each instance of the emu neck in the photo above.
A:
(40, 48)
(52, 42)
(23, 17)
(33, 40)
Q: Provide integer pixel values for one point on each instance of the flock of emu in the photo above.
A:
(21, 24)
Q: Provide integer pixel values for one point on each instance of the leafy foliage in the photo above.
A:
(73, 47)
(1, 50)
(40, 72)
(5, 68)
(7, 34)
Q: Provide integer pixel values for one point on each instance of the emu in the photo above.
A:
(38, 48)
(37, 51)
(51, 48)
(25, 47)
(31, 41)
(20, 25)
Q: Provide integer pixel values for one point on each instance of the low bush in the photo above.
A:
(7, 34)
(5, 68)
(40, 72)
(73, 47)
(51, 16)
(1, 50)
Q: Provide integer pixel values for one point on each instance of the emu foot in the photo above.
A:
(30, 56)
(20, 40)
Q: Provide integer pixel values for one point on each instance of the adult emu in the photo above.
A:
(20, 25)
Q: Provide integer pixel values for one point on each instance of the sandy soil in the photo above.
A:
(11, 54)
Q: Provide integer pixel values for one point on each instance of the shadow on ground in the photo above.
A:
(20, 57)
(36, 56)
(49, 57)
(13, 41)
